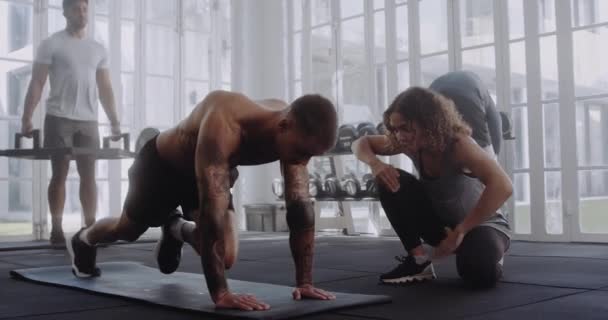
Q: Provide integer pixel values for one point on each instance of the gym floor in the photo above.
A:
(541, 281)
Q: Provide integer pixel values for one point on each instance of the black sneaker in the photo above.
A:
(409, 271)
(83, 257)
(168, 249)
(57, 237)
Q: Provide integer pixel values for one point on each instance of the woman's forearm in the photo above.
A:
(492, 198)
(364, 152)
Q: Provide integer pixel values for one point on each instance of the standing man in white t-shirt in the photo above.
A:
(77, 68)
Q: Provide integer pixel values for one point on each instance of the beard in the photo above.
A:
(78, 24)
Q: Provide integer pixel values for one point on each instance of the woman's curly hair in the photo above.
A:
(435, 114)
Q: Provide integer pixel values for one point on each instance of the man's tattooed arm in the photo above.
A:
(213, 181)
(301, 221)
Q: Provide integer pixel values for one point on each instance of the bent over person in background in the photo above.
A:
(193, 165)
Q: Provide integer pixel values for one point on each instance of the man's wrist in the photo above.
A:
(305, 285)
(216, 296)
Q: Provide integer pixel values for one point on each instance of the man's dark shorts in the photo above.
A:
(67, 133)
(156, 189)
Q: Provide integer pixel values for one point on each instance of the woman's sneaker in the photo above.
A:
(409, 271)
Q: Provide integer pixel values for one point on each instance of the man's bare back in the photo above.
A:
(177, 145)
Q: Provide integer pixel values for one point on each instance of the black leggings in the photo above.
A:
(412, 216)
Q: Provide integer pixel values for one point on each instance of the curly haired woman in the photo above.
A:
(454, 204)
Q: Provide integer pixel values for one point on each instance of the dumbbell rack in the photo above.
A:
(344, 218)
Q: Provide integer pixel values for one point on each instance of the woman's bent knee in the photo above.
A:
(478, 273)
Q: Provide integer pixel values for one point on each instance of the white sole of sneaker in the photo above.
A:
(157, 250)
(418, 278)
(428, 274)
(77, 273)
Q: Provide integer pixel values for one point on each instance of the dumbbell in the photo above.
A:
(125, 139)
(315, 187)
(35, 136)
(331, 186)
(507, 133)
(347, 134)
(381, 128)
(371, 188)
(366, 129)
(350, 186)
(278, 188)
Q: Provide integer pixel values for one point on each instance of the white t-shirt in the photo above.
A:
(73, 64)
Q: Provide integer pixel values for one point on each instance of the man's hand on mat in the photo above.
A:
(450, 243)
(308, 291)
(246, 302)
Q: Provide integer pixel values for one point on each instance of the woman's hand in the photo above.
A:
(386, 174)
(450, 243)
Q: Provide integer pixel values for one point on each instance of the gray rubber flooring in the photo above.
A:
(541, 281)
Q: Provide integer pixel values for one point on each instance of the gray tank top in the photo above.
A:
(454, 194)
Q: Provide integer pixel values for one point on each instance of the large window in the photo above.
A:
(330, 54)
(590, 42)
(363, 53)
(164, 57)
(16, 55)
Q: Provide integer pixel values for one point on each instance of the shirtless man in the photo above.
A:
(193, 165)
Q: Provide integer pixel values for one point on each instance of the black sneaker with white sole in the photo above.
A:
(168, 250)
(409, 271)
(83, 257)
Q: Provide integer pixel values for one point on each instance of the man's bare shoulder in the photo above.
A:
(272, 103)
(222, 97)
(227, 102)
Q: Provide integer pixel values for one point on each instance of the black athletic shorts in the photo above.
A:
(156, 189)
